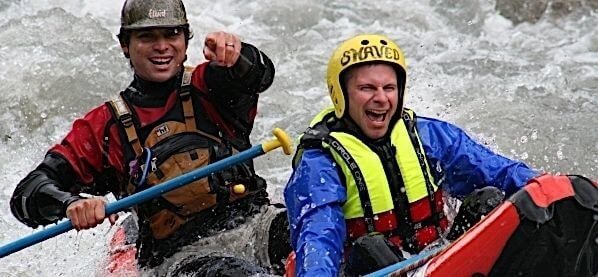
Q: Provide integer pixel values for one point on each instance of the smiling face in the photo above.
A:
(373, 97)
(156, 54)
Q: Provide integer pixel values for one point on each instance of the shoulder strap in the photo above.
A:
(410, 120)
(185, 94)
(123, 115)
(311, 138)
(364, 195)
(319, 133)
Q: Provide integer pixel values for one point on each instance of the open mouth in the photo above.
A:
(161, 61)
(376, 116)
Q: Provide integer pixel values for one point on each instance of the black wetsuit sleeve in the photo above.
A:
(42, 196)
(251, 74)
(234, 91)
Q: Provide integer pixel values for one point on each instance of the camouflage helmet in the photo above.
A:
(140, 14)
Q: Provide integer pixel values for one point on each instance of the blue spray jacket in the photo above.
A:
(314, 194)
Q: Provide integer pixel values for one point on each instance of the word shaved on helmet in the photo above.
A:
(362, 49)
(368, 52)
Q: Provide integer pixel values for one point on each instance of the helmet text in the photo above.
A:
(368, 53)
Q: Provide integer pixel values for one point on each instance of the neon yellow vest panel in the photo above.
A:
(370, 165)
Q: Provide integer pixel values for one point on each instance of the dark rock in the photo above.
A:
(519, 11)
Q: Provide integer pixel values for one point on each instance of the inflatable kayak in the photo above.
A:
(549, 228)
(121, 259)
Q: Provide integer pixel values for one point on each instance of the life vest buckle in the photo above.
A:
(184, 94)
(126, 120)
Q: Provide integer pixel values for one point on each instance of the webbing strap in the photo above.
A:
(123, 112)
(124, 116)
(410, 123)
(364, 196)
(400, 201)
(185, 94)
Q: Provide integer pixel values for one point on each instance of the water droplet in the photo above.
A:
(523, 139)
(438, 167)
(534, 135)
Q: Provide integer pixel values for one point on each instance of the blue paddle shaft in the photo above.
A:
(135, 199)
(423, 256)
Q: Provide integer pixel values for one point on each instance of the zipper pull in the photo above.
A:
(153, 164)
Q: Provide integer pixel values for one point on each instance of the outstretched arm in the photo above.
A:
(231, 87)
(463, 164)
(235, 67)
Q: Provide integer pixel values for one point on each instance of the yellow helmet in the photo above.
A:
(362, 49)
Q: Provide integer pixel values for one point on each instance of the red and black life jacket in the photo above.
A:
(172, 146)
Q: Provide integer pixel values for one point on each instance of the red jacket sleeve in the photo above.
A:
(84, 146)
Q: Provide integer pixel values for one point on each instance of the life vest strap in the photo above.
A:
(424, 229)
(123, 115)
(364, 195)
(185, 95)
(409, 120)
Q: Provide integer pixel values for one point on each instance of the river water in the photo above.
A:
(529, 91)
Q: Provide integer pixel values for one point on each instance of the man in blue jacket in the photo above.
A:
(369, 169)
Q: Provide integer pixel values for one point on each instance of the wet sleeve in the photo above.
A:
(314, 196)
(43, 195)
(83, 145)
(251, 74)
(462, 164)
(233, 93)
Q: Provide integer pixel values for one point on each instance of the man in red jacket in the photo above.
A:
(170, 120)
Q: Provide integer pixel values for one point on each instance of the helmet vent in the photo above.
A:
(383, 42)
(365, 42)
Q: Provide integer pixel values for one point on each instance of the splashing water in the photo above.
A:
(528, 91)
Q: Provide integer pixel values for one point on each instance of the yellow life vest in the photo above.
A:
(368, 177)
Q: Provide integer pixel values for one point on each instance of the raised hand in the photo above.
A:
(222, 48)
